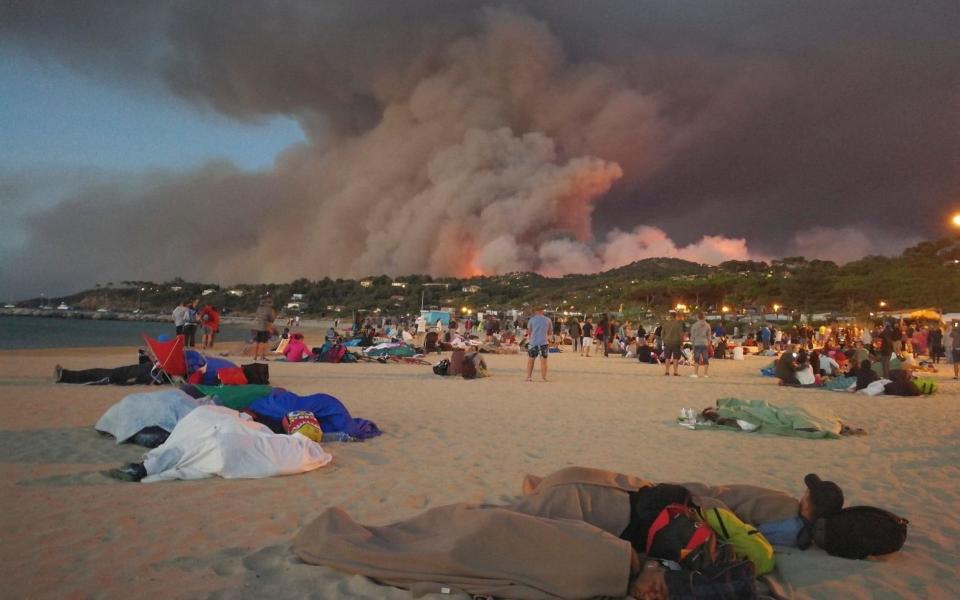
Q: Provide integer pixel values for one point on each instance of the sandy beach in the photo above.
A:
(70, 532)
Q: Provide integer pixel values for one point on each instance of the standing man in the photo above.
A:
(538, 328)
(262, 327)
(702, 339)
(421, 324)
(954, 335)
(672, 334)
(180, 316)
(190, 325)
(587, 340)
(575, 333)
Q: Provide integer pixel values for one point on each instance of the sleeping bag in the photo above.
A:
(331, 413)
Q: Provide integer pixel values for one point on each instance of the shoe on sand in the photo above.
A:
(128, 472)
(695, 376)
(57, 374)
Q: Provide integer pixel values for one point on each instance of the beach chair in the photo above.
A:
(169, 359)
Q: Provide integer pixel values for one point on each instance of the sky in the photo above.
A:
(250, 141)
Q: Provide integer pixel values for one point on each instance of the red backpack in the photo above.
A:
(335, 353)
(678, 536)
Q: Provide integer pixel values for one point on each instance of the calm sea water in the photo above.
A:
(41, 332)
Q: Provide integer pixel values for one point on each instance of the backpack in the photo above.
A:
(722, 581)
(926, 386)
(232, 376)
(441, 367)
(678, 536)
(862, 531)
(747, 542)
(257, 373)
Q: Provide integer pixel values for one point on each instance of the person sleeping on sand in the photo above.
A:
(577, 533)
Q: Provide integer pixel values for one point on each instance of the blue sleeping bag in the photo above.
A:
(331, 413)
(214, 365)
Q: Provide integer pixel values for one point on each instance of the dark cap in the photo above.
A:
(826, 496)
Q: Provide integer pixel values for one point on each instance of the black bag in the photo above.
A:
(862, 531)
(734, 580)
(441, 367)
(257, 373)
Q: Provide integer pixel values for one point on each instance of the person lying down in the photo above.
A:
(577, 533)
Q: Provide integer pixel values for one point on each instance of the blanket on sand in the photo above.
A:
(237, 397)
(560, 540)
(214, 440)
(134, 412)
(779, 420)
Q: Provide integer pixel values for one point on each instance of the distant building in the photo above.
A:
(296, 296)
(470, 289)
(235, 292)
(366, 283)
(207, 292)
(176, 288)
(399, 284)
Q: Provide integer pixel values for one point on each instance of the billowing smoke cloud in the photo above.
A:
(451, 139)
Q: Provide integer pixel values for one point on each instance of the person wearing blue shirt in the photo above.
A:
(538, 328)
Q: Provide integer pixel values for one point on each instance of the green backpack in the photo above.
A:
(747, 542)
(927, 386)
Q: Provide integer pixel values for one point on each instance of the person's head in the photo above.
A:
(266, 300)
(538, 310)
(700, 316)
(821, 498)
(671, 314)
(865, 364)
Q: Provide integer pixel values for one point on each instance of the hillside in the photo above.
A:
(927, 274)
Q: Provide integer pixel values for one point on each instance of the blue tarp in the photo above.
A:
(331, 413)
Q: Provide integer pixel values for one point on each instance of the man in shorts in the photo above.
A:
(586, 341)
(262, 327)
(672, 334)
(702, 338)
(538, 328)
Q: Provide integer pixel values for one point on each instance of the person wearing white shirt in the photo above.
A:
(829, 366)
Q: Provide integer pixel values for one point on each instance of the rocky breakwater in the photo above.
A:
(83, 314)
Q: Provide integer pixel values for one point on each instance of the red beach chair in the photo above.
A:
(169, 359)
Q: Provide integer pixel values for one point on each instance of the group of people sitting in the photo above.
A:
(800, 366)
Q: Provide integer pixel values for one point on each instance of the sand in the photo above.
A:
(69, 532)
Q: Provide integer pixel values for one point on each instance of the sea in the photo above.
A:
(47, 332)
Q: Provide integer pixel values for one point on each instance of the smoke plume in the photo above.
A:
(458, 140)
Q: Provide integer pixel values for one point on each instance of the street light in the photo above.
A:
(883, 303)
(955, 219)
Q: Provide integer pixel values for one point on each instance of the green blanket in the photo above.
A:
(785, 420)
(237, 397)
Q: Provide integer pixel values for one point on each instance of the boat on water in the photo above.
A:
(63, 306)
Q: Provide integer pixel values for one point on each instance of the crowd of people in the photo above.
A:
(888, 351)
